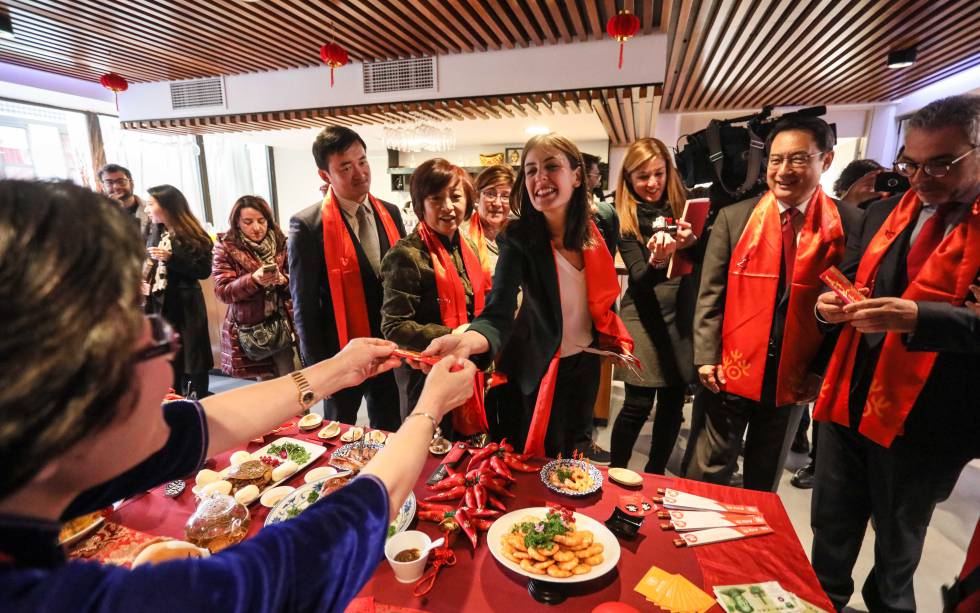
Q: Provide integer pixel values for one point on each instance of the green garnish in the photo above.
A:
(391, 530)
(313, 496)
(563, 474)
(540, 535)
(296, 453)
(292, 512)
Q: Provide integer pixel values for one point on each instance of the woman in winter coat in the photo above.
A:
(251, 276)
(179, 257)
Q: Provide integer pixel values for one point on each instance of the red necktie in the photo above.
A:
(932, 233)
(789, 244)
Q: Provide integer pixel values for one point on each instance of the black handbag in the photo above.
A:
(265, 339)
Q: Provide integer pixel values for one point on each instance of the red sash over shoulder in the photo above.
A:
(471, 418)
(900, 374)
(343, 270)
(479, 238)
(602, 287)
(753, 287)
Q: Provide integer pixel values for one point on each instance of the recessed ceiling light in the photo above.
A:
(536, 130)
(901, 58)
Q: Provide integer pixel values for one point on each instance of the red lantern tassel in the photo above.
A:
(116, 95)
(620, 56)
(331, 76)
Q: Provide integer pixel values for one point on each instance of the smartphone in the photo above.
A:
(268, 269)
(892, 182)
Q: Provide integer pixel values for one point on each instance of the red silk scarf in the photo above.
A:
(479, 238)
(602, 287)
(471, 418)
(752, 291)
(344, 271)
(900, 374)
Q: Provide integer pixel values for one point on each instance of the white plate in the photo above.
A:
(276, 494)
(89, 529)
(315, 452)
(320, 472)
(601, 534)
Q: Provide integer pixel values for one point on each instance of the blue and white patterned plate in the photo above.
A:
(302, 497)
(345, 450)
(589, 469)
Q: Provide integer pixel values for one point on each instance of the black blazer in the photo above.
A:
(312, 308)
(947, 408)
(709, 315)
(530, 340)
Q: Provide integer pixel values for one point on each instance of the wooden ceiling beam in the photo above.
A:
(516, 37)
(516, 6)
(365, 19)
(612, 105)
(624, 97)
(479, 42)
(579, 28)
(600, 111)
(542, 21)
(556, 15)
(488, 19)
(593, 24)
(425, 9)
(476, 17)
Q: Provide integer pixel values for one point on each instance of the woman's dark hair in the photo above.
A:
(332, 140)
(70, 264)
(259, 204)
(852, 172)
(185, 227)
(433, 176)
(530, 225)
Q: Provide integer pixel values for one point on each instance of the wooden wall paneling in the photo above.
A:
(556, 15)
(516, 6)
(478, 43)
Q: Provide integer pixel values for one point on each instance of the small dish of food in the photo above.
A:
(353, 434)
(274, 495)
(78, 528)
(247, 495)
(354, 456)
(329, 431)
(440, 446)
(376, 436)
(320, 472)
(571, 477)
(310, 421)
(625, 476)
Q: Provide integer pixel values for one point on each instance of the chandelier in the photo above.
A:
(419, 136)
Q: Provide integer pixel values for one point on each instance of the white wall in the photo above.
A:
(533, 69)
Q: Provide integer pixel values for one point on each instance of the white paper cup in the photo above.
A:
(407, 572)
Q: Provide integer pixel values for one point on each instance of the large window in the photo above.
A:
(235, 168)
(38, 142)
(155, 159)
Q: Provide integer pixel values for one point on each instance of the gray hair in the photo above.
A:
(961, 112)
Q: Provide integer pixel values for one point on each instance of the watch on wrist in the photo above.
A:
(306, 396)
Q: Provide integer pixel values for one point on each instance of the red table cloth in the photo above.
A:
(479, 583)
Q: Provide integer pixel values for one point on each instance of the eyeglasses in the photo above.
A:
(797, 160)
(165, 340)
(933, 169)
(111, 182)
(495, 195)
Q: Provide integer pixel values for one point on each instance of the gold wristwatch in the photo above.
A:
(306, 395)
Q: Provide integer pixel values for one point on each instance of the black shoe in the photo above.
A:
(803, 479)
(598, 455)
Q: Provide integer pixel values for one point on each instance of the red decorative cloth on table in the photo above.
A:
(114, 544)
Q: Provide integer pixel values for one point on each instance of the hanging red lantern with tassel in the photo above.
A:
(334, 56)
(116, 83)
(623, 26)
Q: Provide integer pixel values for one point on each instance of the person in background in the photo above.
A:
(434, 282)
(83, 374)
(593, 177)
(756, 345)
(650, 188)
(898, 409)
(492, 212)
(603, 213)
(251, 276)
(555, 256)
(854, 186)
(335, 252)
(117, 183)
(179, 257)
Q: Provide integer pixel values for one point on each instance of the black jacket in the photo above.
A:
(312, 307)
(946, 416)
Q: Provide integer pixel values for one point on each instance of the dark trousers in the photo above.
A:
(666, 425)
(770, 434)
(898, 489)
(701, 398)
(505, 411)
(381, 393)
(570, 423)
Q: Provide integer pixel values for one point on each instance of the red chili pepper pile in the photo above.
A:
(480, 487)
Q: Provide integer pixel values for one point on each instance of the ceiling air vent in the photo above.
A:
(197, 93)
(400, 75)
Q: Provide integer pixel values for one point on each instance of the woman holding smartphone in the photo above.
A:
(179, 257)
(553, 253)
(251, 277)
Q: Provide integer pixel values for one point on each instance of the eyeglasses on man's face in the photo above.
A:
(797, 160)
(934, 168)
(112, 182)
(164, 340)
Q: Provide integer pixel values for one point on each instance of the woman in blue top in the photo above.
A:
(82, 376)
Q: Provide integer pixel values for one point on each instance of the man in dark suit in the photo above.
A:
(900, 394)
(336, 287)
(753, 344)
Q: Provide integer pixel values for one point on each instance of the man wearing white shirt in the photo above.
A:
(753, 346)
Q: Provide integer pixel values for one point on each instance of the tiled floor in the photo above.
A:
(950, 530)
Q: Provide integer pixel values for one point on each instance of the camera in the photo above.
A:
(665, 224)
(892, 182)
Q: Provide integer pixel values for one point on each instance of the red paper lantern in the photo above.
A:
(623, 27)
(334, 56)
(116, 83)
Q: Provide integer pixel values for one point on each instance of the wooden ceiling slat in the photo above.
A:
(608, 98)
(664, 14)
(647, 19)
(542, 21)
(578, 25)
(676, 45)
(593, 23)
(559, 19)
(365, 20)
(516, 6)
(610, 10)
(518, 39)
(477, 41)
(600, 110)
(380, 12)
(625, 98)
(424, 7)
(490, 22)
(425, 28)
(320, 16)
(721, 13)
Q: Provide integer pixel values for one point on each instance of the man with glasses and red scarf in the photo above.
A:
(899, 394)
